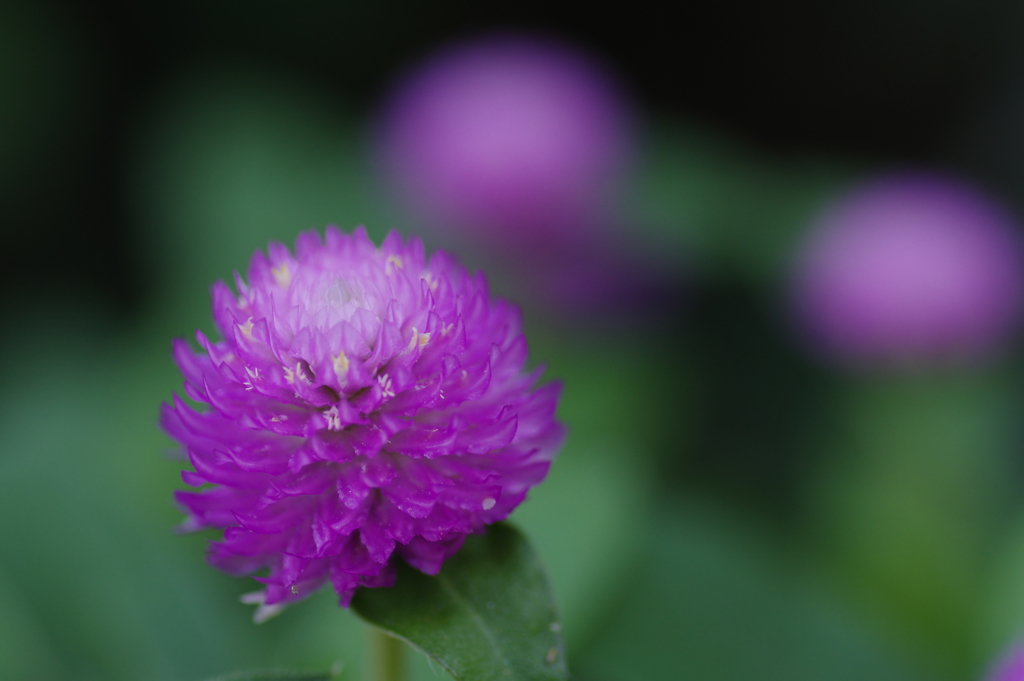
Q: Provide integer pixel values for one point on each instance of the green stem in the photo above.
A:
(389, 653)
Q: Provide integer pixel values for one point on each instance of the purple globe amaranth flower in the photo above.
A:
(1010, 667)
(363, 403)
(911, 268)
(512, 140)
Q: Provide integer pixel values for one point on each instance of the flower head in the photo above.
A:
(1010, 667)
(363, 403)
(908, 268)
(512, 140)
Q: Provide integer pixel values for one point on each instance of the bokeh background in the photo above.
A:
(734, 501)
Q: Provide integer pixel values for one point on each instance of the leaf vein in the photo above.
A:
(478, 616)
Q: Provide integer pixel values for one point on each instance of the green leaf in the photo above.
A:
(275, 676)
(488, 615)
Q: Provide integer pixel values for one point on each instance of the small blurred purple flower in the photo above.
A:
(364, 402)
(911, 268)
(512, 140)
(1010, 667)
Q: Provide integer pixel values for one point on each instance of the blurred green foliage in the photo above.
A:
(913, 509)
(719, 598)
(725, 207)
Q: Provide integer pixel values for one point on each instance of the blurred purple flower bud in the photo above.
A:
(1010, 667)
(512, 141)
(910, 268)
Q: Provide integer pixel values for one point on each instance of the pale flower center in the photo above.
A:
(330, 299)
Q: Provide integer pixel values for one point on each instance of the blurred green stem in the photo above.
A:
(389, 652)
